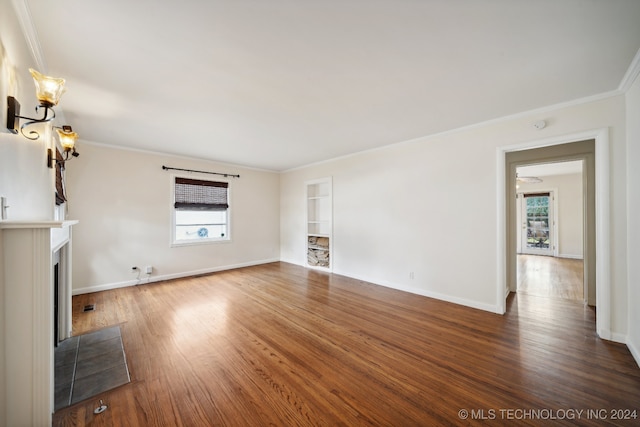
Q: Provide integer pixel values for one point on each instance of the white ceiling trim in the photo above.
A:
(625, 84)
(410, 141)
(632, 73)
(175, 156)
(525, 114)
(30, 34)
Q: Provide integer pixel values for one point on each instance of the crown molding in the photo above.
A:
(533, 113)
(218, 163)
(30, 34)
(23, 13)
(632, 73)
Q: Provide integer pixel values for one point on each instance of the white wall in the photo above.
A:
(569, 207)
(633, 216)
(24, 178)
(429, 207)
(123, 199)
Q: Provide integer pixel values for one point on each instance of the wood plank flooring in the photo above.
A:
(282, 345)
(551, 276)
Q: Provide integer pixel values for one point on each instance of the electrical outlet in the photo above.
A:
(411, 276)
(148, 269)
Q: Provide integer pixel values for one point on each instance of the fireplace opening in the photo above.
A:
(62, 304)
(56, 299)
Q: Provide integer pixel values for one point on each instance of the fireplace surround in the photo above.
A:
(29, 250)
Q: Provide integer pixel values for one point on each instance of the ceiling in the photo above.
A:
(284, 83)
(549, 169)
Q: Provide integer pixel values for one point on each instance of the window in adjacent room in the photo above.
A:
(200, 211)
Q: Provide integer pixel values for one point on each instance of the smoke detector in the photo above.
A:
(540, 124)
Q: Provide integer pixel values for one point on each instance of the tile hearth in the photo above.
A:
(87, 365)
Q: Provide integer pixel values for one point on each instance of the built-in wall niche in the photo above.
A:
(319, 223)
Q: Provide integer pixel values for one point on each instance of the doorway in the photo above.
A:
(549, 230)
(599, 241)
(540, 233)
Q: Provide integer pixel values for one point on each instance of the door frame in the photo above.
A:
(584, 151)
(600, 265)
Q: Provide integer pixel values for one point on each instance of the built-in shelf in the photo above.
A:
(319, 237)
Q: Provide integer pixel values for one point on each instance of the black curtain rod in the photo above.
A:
(191, 170)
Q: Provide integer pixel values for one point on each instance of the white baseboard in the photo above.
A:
(448, 298)
(152, 279)
(616, 337)
(570, 256)
(635, 352)
(435, 295)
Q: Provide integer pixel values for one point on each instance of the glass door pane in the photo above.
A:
(538, 221)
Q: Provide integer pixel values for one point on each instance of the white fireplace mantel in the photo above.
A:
(36, 224)
(28, 248)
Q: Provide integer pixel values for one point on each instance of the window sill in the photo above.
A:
(180, 244)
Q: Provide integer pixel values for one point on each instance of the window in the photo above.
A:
(200, 211)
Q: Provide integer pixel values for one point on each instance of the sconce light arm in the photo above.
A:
(13, 114)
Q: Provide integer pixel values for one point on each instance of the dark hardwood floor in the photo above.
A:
(282, 345)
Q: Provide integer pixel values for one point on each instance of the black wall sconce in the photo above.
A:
(48, 91)
(68, 140)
